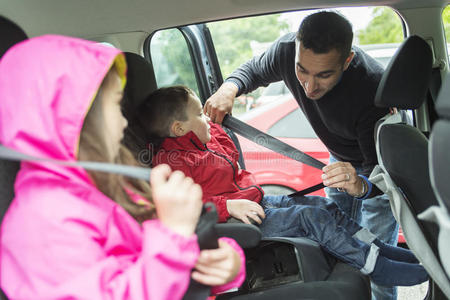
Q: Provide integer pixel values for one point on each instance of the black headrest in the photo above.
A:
(140, 83)
(10, 34)
(405, 82)
(443, 100)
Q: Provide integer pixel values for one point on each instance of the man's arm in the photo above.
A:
(259, 71)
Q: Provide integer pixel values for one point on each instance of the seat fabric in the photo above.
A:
(402, 150)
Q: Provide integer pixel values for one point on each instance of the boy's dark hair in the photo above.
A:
(152, 119)
(161, 108)
(326, 30)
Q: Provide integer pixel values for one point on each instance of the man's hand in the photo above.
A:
(221, 102)
(217, 266)
(177, 198)
(342, 175)
(244, 209)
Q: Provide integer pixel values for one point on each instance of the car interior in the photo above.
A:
(414, 159)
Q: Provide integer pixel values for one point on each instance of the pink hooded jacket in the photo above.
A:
(61, 237)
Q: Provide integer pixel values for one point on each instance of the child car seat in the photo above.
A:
(402, 172)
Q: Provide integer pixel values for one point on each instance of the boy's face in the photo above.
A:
(197, 121)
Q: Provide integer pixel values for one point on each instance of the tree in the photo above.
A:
(171, 59)
(385, 27)
(232, 38)
(446, 20)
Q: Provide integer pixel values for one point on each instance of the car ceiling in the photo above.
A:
(90, 18)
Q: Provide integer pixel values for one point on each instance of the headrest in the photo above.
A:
(405, 82)
(443, 100)
(10, 34)
(140, 83)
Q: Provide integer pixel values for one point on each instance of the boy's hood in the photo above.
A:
(47, 85)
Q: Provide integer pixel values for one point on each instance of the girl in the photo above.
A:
(75, 234)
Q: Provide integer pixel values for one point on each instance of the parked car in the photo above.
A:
(276, 173)
(273, 92)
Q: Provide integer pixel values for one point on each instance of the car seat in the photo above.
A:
(402, 150)
(439, 159)
(288, 268)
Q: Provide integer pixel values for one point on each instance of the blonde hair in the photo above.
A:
(92, 148)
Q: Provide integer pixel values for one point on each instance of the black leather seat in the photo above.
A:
(10, 34)
(286, 268)
(403, 171)
(439, 159)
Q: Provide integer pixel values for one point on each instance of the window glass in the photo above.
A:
(171, 59)
(377, 30)
(446, 21)
(293, 125)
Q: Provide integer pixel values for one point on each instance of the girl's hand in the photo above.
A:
(217, 266)
(244, 209)
(177, 198)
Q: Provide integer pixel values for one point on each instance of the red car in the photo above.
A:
(278, 174)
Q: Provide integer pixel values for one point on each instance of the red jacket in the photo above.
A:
(213, 166)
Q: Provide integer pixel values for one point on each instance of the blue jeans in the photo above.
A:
(321, 220)
(374, 214)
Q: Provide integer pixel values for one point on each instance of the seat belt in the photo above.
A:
(129, 171)
(274, 144)
(205, 229)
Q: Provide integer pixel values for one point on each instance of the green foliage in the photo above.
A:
(232, 38)
(385, 27)
(446, 21)
(172, 61)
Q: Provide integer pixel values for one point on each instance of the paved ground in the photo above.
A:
(417, 292)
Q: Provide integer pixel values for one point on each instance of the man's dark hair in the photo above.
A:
(152, 119)
(326, 30)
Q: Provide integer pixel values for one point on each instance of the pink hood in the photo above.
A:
(61, 237)
(47, 87)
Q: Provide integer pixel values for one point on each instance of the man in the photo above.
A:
(335, 85)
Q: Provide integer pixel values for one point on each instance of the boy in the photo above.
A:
(174, 124)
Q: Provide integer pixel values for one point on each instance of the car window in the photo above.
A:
(293, 125)
(446, 22)
(171, 59)
(274, 89)
(378, 30)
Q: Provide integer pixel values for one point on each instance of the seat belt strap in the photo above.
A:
(274, 144)
(129, 171)
(307, 191)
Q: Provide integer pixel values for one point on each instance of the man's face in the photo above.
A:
(319, 73)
